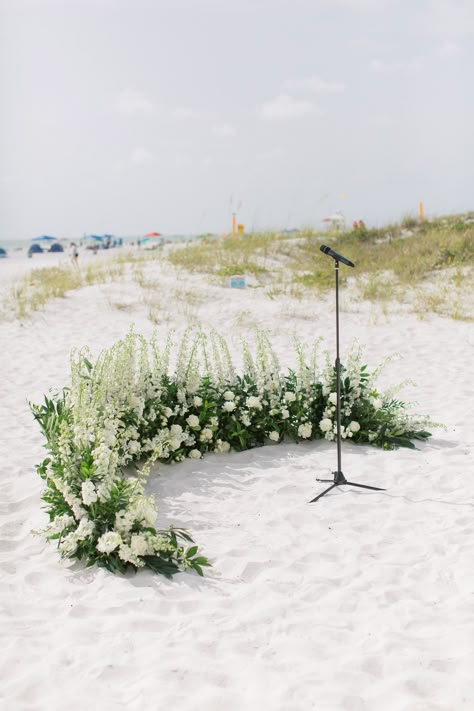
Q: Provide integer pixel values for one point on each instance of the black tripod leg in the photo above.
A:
(322, 494)
(365, 486)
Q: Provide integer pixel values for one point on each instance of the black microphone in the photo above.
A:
(338, 257)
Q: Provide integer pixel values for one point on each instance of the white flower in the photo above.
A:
(290, 396)
(88, 493)
(138, 545)
(175, 443)
(197, 401)
(254, 402)
(85, 529)
(304, 430)
(194, 454)
(176, 430)
(108, 438)
(138, 404)
(125, 553)
(333, 398)
(228, 406)
(193, 421)
(274, 436)
(167, 412)
(245, 419)
(109, 541)
(133, 447)
(206, 435)
(222, 446)
(69, 544)
(354, 426)
(285, 413)
(229, 395)
(145, 511)
(325, 425)
(377, 403)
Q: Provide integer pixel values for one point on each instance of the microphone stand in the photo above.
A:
(338, 477)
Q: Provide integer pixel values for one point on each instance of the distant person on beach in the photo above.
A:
(75, 254)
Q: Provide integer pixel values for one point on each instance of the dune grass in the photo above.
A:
(392, 263)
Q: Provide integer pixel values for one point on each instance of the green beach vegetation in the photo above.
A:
(427, 265)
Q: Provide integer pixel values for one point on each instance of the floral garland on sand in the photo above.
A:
(126, 411)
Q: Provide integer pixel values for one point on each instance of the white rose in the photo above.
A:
(193, 421)
(274, 436)
(176, 430)
(222, 446)
(333, 398)
(285, 413)
(325, 425)
(197, 401)
(290, 397)
(377, 403)
(175, 443)
(194, 454)
(229, 395)
(206, 435)
(138, 545)
(228, 406)
(354, 426)
(109, 541)
(254, 402)
(304, 430)
(167, 412)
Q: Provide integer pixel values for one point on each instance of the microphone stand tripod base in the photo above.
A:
(340, 480)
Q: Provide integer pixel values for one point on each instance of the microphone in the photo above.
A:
(338, 257)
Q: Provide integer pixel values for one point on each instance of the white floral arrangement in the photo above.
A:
(126, 411)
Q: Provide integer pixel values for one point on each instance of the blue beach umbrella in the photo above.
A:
(44, 238)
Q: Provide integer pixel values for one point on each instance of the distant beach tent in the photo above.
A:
(3, 253)
(44, 238)
(56, 247)
(35, 249)
(337, 220)
(97, 238)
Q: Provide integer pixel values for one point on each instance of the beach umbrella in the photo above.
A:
(97, 238)
(44, 238)
(153, 234)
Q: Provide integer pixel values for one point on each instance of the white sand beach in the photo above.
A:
(361, 602)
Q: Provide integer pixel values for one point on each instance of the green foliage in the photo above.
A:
(126, 411)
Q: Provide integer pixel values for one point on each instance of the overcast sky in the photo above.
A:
(127, 116)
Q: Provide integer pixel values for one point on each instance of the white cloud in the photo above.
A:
(285, 108)
(140, 156)
(314, 84)
(134, 102)
(223, 129)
